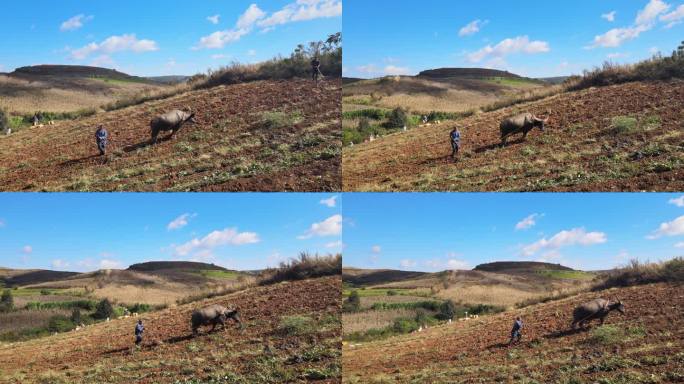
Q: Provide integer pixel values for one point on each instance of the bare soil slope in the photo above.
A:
(581, 150)
(260, 136)
(646, 345)
(262, 352)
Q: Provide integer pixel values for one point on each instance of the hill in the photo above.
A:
(68, 88)
(362, 277)
(644, 345)
(476, 73)
(622, 137)
(19, 277)
(258, 136)
(73, 71)
(291, 334)
(151, 266)
(522, 266)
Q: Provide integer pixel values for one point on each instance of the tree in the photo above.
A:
(103, 309)
(353, 302)
(398, 118)
(76, 316)
(4, 120)
(6, 301)
(447, 310)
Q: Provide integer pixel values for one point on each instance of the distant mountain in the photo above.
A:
(471, 73)
(554, 80)
(152, 266)
(377, 276)
(349, 80)
(520, 266)
(74, 71)
(174, 79)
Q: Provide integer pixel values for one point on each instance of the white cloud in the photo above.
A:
(251, 52)
(679, 244)
(527, 222)
(251, 16)
(243, 26)
(673, 18)
(303, 10)
(102, 61)
(472, 28)
(679, 201)
(454, 264)
(180, 221)
(653, 50)
(652, 10)
(220, 56)
(407, 263)
(75, 23)
(214, 19)
(645, 20)
(332, 226)
(610, 16)
(616, 36)
(59, 264)
(110, 264)
(27, 250)
(520, 44)
(394, 70)
(330, 202)
(114, 44)
(228, 236)
(389, 70)
(376, 249)
(671, 228)
(576, 236)
(334, 244)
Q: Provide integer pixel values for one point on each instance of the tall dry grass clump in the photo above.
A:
(305, 267)
(637, 273)
(657, 67)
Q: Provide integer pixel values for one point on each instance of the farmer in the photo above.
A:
(101, 138)
(139, 329)
(455, 137)
(516, 332)
(315, 68)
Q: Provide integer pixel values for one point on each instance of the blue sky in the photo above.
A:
(533, 38)
(83, 232)
(438, 231)
(155, 37)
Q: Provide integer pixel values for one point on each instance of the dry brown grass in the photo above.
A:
(451, 101)
(492, 295)
(363, 321)
(21, 320)
(23, 96)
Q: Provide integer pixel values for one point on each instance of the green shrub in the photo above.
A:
(103, 309)
(139, 308)
(88, 305)
(624, 124)
(296, 325)
(392, 293)
(374, 113)
(606, 334)
(45, 292)
(404, 325)
(60, 324)
(6, 301)
(352, 303)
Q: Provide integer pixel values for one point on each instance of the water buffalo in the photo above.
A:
(595, 309)
(171, 121)
(214, 314)
(523, 122)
